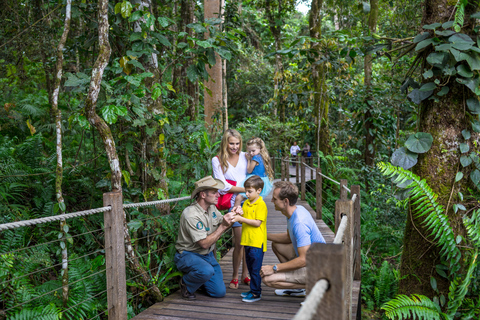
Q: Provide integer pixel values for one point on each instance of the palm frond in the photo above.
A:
(414, 307)
(423, 197)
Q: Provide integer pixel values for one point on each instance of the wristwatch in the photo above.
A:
(275, 269)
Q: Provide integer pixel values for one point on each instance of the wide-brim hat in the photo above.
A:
(207, 183)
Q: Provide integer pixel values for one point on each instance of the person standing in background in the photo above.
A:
(293, 151)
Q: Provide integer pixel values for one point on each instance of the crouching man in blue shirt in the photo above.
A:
(289, 276)
(201, 225)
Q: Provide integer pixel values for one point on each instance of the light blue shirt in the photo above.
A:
(259, 169)
(302, 229)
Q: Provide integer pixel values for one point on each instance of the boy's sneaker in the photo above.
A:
(291, 292)
(245, 294)
(252, 298)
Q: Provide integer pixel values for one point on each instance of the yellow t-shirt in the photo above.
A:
(255, 236)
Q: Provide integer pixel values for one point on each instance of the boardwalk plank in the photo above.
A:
(231, 307)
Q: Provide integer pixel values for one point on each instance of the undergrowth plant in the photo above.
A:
(463, 289)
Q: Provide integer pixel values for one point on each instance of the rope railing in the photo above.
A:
(310, 305)
(152, 203)
(341, 230)
(24, 223)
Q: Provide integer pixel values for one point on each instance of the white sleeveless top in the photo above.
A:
(237, 173)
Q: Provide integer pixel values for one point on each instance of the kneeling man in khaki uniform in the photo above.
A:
(201, 225)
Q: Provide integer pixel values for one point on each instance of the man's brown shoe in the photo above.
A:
(184, 291)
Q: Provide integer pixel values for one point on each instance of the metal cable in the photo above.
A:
(150, 235)
(100, 293)
(151, 203)
(53, 266)
(310, 305)
(18, 224)
(139, 275)
(59, 288)
(341, 230)
(345, 187)
(101, 313)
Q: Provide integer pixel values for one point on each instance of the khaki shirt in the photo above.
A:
(195, 225)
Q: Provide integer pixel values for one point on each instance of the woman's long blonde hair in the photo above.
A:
(264, 153)
(223, 152)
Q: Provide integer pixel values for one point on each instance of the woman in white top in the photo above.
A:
(231, 164)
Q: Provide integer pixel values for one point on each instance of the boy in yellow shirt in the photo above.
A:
(254, 235)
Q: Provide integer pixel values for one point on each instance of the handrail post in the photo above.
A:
(345, 207)
(357, 239)
(115, 256)
(311, 167)
(282, 168)
(303, 178)
(297, 168)
(327, 261)
(343, 191)
(319, 193)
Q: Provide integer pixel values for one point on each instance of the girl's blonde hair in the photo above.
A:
(223, 152)
(264, 153)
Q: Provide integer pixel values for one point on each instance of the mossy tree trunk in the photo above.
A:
(445, 120)
(369, 152)
(320, 99)
(58, 126)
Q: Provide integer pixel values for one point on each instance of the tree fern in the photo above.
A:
(423, 197)
(414, 307)
(48, 312)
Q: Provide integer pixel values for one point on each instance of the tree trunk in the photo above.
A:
(213, 97)
(58, 125)
(320, 100)
(369, 152)
(278, 107)
(445, 120)
(180, 80)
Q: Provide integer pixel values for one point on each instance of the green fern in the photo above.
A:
(460, 15)
(417, 305)
(473, 227)
(47, 312)
(457, 292)
(423, 197)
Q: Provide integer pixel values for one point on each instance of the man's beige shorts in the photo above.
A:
(296, 276)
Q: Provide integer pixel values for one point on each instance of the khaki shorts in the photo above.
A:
(296, 276)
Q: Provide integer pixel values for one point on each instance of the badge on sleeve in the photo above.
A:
(199, 225)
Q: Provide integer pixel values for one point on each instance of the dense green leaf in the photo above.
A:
(420, 37)
(444, 91)
(473, 61)
(418, 96)
(404, 158)
(464, 147)
(429, 86)
(475, 176)
(473, 105)
(423, 44)
(458, 176)
(465, 161)
(432, 26)
(464, 71)
(419, 142)
(437, 58)
(192, 73)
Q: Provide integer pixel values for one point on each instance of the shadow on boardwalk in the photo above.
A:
(231, 306)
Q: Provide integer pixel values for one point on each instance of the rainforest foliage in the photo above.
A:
(385, 92)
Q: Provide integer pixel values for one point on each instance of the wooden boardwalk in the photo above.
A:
(231, 306)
